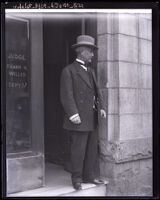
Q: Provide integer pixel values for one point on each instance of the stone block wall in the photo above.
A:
(125, 80)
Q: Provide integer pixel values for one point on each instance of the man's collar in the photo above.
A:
(81, 62)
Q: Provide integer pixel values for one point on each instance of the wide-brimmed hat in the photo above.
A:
(85, 40)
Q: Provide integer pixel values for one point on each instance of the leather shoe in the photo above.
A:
(94, 181)
(77, 186)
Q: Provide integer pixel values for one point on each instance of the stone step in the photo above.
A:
(58, 183)
(87, 190)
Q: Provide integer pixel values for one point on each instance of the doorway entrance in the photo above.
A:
(49, 37)
(59, 34)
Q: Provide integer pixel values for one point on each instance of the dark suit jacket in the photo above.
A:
(76, 93)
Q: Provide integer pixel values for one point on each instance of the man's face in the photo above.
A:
(87, 54)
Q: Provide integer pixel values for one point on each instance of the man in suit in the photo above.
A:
(81, 99)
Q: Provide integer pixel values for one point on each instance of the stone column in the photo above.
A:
(125, 80)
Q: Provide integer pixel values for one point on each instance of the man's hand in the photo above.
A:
(76, 120)
(103, 113)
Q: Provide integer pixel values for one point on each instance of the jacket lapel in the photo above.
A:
(83, 74)
(94, 78)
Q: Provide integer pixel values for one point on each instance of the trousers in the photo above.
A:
(84, 155)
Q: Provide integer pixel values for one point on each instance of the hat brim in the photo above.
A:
(74, 46)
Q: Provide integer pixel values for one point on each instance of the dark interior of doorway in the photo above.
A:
(58, 35)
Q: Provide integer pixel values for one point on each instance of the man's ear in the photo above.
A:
(82, 53)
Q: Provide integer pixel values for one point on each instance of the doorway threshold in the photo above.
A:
(58, 183)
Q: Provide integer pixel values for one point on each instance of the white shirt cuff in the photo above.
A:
(73, 116)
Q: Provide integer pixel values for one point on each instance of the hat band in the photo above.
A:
(85, 43)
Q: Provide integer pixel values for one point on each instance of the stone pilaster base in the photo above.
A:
(24, 172)
(132, 178)
(127, 165)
